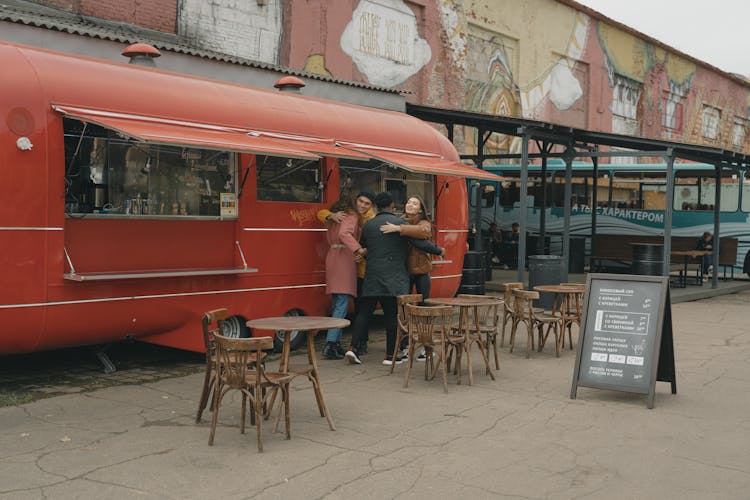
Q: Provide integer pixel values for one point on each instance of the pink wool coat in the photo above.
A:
(341, 270)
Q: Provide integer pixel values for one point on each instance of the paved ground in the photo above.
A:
(517, 437)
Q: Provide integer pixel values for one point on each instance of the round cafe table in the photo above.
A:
(309, 325)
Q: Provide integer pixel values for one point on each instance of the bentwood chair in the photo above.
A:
(429, 327)
(213, 323)
(489, 321)
(508, 309)
(234, 359)
(401, 330)
(534, 320)
(573, 312)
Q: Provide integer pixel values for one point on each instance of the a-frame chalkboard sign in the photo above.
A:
(625, 342)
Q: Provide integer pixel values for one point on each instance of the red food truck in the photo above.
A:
(135, 199)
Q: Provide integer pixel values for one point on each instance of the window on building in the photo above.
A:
(107, 174)
(738, 133)
(289, 179)
(710, 122)
(671, 117)
(625, 97)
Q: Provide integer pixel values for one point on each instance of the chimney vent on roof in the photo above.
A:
(142, 54)
(289, 84)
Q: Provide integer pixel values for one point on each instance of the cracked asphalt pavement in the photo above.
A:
(519, 436)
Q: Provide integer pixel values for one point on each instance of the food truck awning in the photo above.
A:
(424, 163)
(324, 147)
(166, 131)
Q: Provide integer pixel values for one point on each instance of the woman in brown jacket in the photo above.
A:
(419, 227)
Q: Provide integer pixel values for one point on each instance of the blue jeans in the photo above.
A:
(340, 303)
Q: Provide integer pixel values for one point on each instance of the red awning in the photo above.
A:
(323, 147)
(425, 163)
(165, 131)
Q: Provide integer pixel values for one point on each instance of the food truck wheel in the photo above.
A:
(234, 327)
(297, 337)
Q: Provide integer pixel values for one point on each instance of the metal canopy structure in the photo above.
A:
(577, 143)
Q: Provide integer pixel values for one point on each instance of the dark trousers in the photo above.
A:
(422, 283)
(364, 315)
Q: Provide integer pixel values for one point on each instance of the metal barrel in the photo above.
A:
(647, 259)
(474, 272)
(545, 270)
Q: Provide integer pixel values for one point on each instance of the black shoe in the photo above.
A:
(340, 350)
(330, 351)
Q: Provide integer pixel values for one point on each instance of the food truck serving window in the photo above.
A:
(106, 174)
(289, 179)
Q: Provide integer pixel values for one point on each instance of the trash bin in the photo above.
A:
(473, 276)
(577, 254)
(647, 259)
(545, 270)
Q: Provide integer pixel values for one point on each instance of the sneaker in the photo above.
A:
(331, 352)
(421, 356)
(405, 353)
(710, 270)
(505, 267)
(389, 361)
(352, 357)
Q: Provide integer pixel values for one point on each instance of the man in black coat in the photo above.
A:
(386, 275)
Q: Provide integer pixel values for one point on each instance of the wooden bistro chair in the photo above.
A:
(489, 321)
(213, 323)
(573, 312)
(534, 320)
(233, 372)
(429, 327)
(508, 309)
(402, 327)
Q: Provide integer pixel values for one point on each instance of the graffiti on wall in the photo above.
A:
(383, 40)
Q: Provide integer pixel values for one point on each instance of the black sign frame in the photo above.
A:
(659, 344)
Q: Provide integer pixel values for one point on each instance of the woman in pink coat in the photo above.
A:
(341, 269)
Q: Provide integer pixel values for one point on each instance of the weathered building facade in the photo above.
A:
(551, 60)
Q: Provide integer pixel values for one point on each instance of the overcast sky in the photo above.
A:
(714, 31)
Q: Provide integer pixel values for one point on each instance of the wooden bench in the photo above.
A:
(616, 248)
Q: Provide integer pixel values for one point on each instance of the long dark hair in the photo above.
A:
(343, 204)
(423, 215)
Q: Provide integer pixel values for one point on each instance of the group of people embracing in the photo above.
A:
(374, 258)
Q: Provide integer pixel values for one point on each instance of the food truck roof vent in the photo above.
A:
(142, 54)
(289, 84)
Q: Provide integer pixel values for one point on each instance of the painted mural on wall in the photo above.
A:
(384, 43)
(578, 71)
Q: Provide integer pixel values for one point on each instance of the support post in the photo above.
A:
(594, 202)
(569, 155)
(668, 202)
(717, 227)
(543, 214)
(523, 208)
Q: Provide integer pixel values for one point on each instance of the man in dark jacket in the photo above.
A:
(386, 275)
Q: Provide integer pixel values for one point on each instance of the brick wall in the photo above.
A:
(160, 15)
